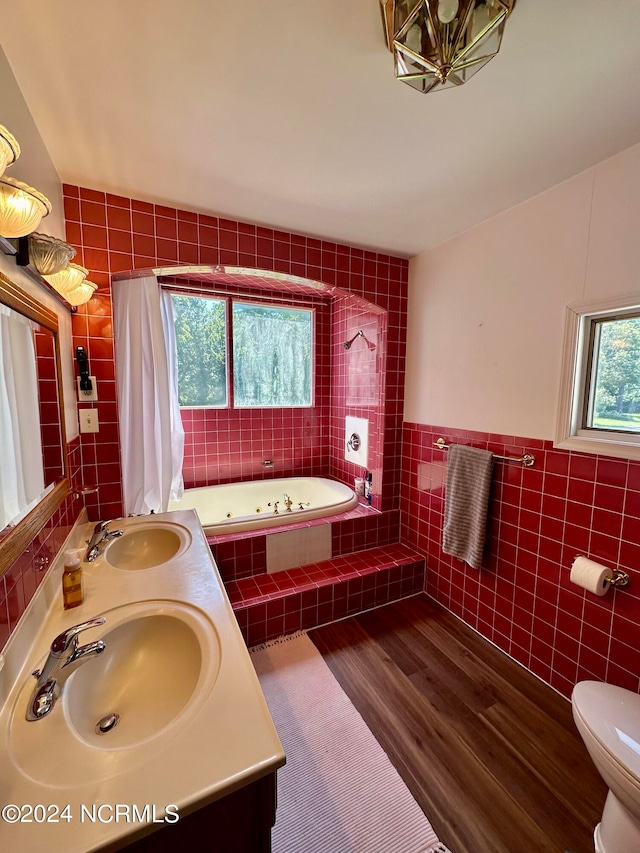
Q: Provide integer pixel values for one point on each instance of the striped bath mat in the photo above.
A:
(338, 792)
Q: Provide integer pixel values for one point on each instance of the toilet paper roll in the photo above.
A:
(590, 576)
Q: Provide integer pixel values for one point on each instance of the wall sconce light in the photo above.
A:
(71, 283)
(9, 149)
(48, 254)
(81, 294)
(67, 279)
(21, 208)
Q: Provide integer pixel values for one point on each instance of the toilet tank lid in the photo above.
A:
(613, 715)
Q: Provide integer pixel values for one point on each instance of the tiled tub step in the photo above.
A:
(267, 606)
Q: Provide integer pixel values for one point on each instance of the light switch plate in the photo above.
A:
(89, 420)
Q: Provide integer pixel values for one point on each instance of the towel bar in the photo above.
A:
(527, 459)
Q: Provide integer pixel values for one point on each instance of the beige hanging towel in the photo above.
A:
(467, 503)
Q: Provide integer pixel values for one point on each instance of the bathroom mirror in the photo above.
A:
(34, 476)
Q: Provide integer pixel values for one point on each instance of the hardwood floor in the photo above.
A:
(489, 752)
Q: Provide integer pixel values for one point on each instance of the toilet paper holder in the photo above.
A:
(619, 578)
(616, 577)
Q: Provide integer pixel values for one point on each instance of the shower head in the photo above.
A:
(347, 344)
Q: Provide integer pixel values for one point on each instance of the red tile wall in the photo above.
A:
(358, 390)
(540, 519)
(19, 583)
(115, 234)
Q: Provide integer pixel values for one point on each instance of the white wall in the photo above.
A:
(487, 308)
(34, 167)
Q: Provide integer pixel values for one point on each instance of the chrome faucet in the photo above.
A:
(65, 656)
(101, 535)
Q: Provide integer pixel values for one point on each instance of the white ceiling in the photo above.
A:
(286, 113)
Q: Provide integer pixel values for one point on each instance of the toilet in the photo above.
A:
(608, 719)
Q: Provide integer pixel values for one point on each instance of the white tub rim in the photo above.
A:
(268, 520)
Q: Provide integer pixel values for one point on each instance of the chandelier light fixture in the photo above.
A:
(437, 44)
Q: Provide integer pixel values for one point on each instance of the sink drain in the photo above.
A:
(107, 723)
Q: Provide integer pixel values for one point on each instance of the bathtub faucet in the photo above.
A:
(288, 502)
(275, 506)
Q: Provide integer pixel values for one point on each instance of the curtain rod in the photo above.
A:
(246, 294)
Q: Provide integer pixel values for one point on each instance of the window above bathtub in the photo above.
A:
(599, 407)
(272, 356)
(243, 353)
(201, 342)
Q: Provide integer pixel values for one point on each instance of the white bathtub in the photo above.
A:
(235, 507)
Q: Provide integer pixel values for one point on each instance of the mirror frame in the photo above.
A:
(24, 532)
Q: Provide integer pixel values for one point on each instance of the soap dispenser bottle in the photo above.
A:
(72, 591)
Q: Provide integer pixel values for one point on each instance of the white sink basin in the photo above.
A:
(142, 681)
(160, 663)
(147, 545)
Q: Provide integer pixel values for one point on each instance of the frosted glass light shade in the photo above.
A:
(68, 278)
(9, 149)
(48, 254)
(80, 294)
(21, 208)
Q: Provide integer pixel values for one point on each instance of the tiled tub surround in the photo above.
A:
(242, 555)
(358, 390)
(540, 519)
(313, 595)
(368, 568)
(115, 234)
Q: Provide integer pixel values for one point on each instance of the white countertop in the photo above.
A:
(222, 741)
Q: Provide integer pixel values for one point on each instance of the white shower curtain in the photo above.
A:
(21, 466)
(151, 433)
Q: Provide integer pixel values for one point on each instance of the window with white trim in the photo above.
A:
(599, 410)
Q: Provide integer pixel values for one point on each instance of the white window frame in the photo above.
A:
(575, 371)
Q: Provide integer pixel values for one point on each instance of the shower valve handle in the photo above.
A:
(354, 442)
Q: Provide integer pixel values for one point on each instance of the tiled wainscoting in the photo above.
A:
(540, 519)
(22, 579)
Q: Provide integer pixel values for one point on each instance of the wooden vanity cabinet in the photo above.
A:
(241, 822)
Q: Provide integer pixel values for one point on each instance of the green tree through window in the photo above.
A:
(616, 401)
(271, 355)
(201, 339)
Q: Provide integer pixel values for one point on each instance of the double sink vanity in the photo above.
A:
(154, 742)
